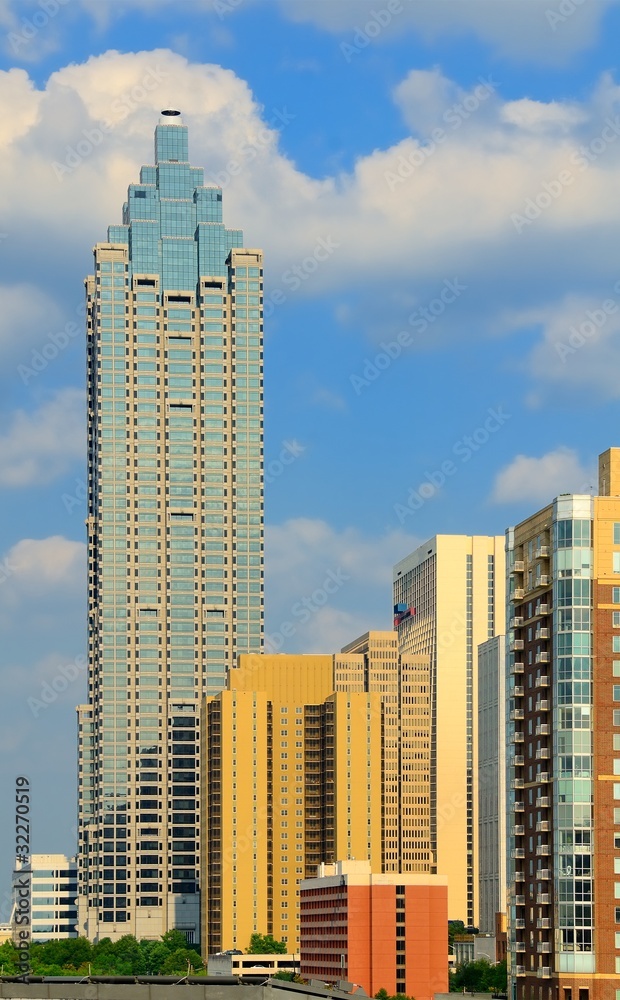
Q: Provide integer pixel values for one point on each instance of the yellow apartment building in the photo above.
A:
(302, 756)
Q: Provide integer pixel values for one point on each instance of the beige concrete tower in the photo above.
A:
(449, 596)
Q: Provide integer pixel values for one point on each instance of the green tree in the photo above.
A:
(266, 944)
(178, 962)
(479, 977)
(454, 927)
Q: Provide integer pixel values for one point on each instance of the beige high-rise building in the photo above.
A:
(309, 759)
(373, 663)
(449, 596)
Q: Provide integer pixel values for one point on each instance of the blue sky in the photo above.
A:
(459, 160)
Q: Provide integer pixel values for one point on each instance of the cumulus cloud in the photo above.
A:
(516, 29)
(38, 447)
(26, 315)
(330, 585)
(539, 480)
(409, 216)
(578, 345)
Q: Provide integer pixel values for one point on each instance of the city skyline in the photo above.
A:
(325, 193)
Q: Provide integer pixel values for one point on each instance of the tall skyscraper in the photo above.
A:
(564, 746)
(175, 532)
(448, 598)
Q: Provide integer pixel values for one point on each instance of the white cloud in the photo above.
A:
(516, 29)
(27, 314)
(38, 447)
(539, 480)
(408, 216)
(330, 585)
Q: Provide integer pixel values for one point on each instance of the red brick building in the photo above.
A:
(384, 930)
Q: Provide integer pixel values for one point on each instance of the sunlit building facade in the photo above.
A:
(175, 532)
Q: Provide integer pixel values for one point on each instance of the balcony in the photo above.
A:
(519, 807)
(543, 778)
(544, 874)
(543, 580)
(516, 622)
(542, 682)
(518, 566)
(543, 729)
(543, 609)
(543, 923)
(518, 783)
(517, 715)
(542, 552)
(543, 656)
(520, 924)
(519, 970)
(544, 972)
(518, 691)
(517, 853)
(543, 851)
(542, 899)
(519, 876)
(542, 705)
(517, 645)
(520, 945)
(519, 900)
(543, 948)
(543, 753)
(542, 826)
(518, 594)
(518, 737)
(517, 667)
(518, 760)
(542, 802)
(541, 633)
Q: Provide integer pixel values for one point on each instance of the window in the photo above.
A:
(616, 717)
(615, 640)
(617, 689)
(616, 565)
(616, 534)
(615, 595)
(615, 619)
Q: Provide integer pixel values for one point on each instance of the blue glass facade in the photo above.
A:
(175, 531)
